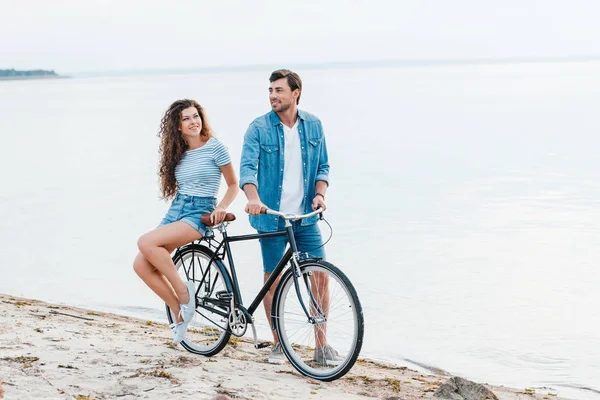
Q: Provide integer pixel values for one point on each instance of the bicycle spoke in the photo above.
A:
(326, 345)
(208, 331)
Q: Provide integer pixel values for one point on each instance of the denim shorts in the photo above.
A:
(188, 209)
(308, 239)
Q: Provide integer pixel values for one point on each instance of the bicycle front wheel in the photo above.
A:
(324, 344)
(208, 332)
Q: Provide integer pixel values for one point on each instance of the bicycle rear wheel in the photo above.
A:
(208, 332)
(326, 345)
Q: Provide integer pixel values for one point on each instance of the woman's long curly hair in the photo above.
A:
(173, 146)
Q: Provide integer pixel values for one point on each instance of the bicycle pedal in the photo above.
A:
(262, 345)
(224, 295)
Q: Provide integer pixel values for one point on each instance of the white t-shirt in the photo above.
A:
(292, 193)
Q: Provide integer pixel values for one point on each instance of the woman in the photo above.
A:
(192, 161)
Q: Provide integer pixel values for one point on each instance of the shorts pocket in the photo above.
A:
(175, 210)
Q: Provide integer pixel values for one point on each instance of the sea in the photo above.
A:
(464, 203)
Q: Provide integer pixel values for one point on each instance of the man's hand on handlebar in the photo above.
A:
(254, 207)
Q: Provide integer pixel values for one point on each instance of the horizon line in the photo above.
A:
(229, 68)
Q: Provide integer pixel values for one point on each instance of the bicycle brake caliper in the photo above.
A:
(296, 265)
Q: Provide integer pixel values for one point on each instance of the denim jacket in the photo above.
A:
(262, 163)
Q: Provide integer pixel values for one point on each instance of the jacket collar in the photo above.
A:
(274, 118)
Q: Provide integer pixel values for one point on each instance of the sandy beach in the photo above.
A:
(60, 352)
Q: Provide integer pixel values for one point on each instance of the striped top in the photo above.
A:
(198, 172)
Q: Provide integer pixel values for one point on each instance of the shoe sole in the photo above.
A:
(328, 363)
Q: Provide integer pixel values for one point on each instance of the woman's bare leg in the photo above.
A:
(155, 248)
(157, 282)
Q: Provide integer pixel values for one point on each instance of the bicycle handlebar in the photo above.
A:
(291, 216)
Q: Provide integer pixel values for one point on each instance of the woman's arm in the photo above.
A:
(232, 190)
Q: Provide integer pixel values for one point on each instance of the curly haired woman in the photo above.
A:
(191, 165)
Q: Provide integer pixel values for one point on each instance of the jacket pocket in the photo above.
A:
(269, 156)
(269, 148)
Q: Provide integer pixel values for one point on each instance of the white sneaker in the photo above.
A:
(178, 330)
(186, 312)
(327, 355)
(276, 356)
(189, 310)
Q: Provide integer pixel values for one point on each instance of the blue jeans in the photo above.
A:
(308, 239)
(188, 209)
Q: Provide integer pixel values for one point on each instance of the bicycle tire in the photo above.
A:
(208, 333)
(304, 342)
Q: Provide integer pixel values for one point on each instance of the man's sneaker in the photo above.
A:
(276, 356)
(189, 310)
(327, 355)
(178, 331)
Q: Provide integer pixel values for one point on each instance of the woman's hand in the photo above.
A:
(218, 216)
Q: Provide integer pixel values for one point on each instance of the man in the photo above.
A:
(285, 167)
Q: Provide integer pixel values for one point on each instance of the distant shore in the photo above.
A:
(13, 74)
(56, 351)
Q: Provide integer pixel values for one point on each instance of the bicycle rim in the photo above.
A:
(328, 348)
(208, 332)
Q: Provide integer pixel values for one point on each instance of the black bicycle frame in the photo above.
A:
(274, 275)
(280, 266)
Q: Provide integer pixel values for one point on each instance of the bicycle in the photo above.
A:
(314, 305)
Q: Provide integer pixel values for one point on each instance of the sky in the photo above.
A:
(101, 35)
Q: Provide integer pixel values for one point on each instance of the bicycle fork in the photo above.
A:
(319, 318)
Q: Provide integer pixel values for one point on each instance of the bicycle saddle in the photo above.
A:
(205, 219)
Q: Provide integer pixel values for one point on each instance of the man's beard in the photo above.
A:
(281, 107)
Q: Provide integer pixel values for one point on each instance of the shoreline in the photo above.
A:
(31, 77)
(61, 352)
